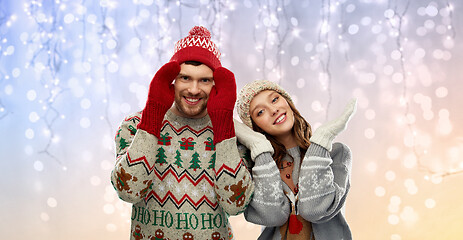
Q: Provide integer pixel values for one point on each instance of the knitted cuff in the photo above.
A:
(262, 159)
(222, 124)
(323, 138)
(342, 156)
(317, 150)
(151, 118)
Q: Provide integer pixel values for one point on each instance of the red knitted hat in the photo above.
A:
(197, 46)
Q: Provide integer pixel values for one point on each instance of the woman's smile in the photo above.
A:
(280, 119)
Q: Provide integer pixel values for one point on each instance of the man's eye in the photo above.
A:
(205, 80)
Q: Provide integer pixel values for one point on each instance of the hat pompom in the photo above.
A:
(197, 46)
(200, 31)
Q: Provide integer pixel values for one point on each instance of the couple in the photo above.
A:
(178, 161)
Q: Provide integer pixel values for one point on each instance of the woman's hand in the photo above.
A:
(325, 134)
(254, 141)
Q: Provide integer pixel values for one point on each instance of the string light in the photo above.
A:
(273, 25)
(4, 22)
(47, 60)
(325, 53)
(396, 20)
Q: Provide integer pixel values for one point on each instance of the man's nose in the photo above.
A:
(193, 88)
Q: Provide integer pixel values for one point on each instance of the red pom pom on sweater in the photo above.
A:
(295, 226)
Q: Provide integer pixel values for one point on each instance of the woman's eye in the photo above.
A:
(260, 112)
(274, 99)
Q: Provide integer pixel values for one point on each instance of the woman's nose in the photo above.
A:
(274, 111)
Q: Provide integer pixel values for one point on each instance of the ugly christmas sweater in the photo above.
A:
(181, 185)
(322, 180)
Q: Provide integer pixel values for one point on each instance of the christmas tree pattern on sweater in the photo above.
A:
(183, 177)
(187, 158)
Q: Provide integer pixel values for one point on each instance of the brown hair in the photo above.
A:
(194, 63)
(301, 130)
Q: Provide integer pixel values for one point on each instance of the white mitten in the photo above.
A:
(325, 134)
(254, 141)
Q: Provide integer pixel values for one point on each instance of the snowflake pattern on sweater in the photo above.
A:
(324, 181)
(181, 185)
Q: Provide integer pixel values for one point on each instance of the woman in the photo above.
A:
(301, 179)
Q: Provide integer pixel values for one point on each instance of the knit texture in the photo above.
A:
(159, 102)
(254, 141)
(220, 105)
(181, 185)
(248, 92)
(151, 118)
(323, 179)
(197, 46)
(222, 125)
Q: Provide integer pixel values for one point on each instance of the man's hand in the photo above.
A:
(221, 103)
(160, 98)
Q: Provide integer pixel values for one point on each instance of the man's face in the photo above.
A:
(192, 87)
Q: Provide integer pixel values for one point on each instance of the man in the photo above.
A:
(177, 161)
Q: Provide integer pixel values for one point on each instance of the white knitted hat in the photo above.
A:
(250, 90)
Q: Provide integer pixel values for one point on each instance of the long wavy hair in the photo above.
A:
(302, 131)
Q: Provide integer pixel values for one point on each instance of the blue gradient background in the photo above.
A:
(71, 70)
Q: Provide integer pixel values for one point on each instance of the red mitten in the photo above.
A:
(160, 98)
(221, 103)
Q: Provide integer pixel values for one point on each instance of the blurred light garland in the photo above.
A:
(211, 14)
(396, 21)
(107, 34)
(163, 23)
(324, 40)
(341, 36)
(4, 22)
(450, 26)
(452, 35)
(45, 43)
(167, 19)
(273, 21)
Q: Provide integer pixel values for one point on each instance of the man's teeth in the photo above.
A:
(280, 119)
(192, 99)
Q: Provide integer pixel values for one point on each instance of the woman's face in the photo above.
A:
(272, 113)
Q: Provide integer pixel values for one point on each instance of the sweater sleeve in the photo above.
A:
(134, 161)
(324, 182)
(269, 205)
(233, 182)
